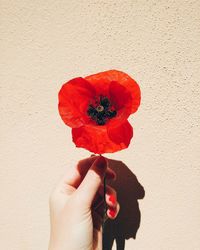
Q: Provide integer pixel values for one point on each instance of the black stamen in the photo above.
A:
(104, 102)
(111, 113)
(101, 111)
(101, 121)
(92, 111)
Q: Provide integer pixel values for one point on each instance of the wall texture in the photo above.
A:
(45, 43)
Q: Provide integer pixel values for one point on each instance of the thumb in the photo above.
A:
(92, 181)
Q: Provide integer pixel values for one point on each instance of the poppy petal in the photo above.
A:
(121, 99)
(74, 97)
(101, 81)
(100, 139)
(121, 134)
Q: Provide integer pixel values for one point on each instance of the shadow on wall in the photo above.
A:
(129, 190)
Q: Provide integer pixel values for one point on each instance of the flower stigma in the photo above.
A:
(101, 110)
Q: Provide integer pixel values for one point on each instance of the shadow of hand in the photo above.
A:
(129, 190)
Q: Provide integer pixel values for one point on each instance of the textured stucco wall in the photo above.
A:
(44, 43)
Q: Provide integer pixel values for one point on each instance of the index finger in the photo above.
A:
(74, 176)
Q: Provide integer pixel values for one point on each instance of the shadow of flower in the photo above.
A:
(129, 190)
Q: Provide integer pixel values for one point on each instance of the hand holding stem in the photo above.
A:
(77, 206)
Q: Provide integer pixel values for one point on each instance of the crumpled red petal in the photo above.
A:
(101, 81)
(121, 99)
(74, 97)
(121, 134)
(102, 139)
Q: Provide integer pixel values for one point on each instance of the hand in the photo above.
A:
(77, 207)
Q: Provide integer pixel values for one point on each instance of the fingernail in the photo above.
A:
(112, 212)
(100, 165)
(112, 199)
(101, 162)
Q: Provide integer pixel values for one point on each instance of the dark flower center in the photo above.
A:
(101, 110)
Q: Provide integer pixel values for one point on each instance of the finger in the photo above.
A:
(70, 181)
(74, 176)
(84, 165)
(113, 212)
(111, 195)
(110, 174)
(89, 186)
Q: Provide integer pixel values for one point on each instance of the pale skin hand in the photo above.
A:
(76, 206)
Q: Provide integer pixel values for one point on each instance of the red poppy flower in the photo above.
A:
(97, 108)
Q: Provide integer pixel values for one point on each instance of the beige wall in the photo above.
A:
(44, 43)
